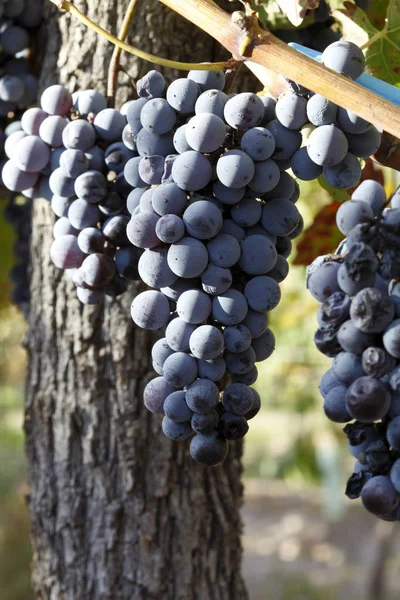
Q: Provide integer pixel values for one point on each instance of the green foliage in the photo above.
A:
(7, 238)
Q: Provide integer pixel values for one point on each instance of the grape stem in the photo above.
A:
(113, 69)
(162, 62)
(245, 39)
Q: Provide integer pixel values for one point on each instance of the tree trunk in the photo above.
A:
(118, 511)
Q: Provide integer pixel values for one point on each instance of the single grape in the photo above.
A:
(176, 408)
(65, 252)
(223, 250)
(232, 427)
(150, 310)
(202, 220)
(238, 399)
(206, 342)
(379, 496)
(150, 85)
(55, 100)
(182, 95)
(155, 393)
(202, 396)
(154, 269)
(32, 119)
(345, 174)
(303, 167)
(229, 308)
(367, 399)
(321, 111)
(235, 169)
(263, 345)
(244, 111)
(262, 293)
(191, 171)
(206, 423)
(157, 116)
(208, 80)
(291, 111)
(97, 270)
(180, 369)
(210, 449)
(79, 135)
(176, 431)
(188, 257)
(193, 306)
(109, 124)
(216, 280)
(31, 154)
(91, 102)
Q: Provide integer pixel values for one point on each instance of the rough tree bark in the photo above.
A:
(118, 511)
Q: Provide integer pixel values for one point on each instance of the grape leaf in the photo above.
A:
(382, 46)
(322, 237)
(376, 12)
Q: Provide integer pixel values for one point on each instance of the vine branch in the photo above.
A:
(114, 62)
(244, 38)
(158, 60)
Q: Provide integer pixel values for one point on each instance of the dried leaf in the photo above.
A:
(388, 153)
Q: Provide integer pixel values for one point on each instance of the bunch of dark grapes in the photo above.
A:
(315, 137)
(18, 89)
(215, 217)
(359, 328)
(72, 152)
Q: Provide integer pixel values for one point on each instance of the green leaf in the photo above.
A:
(377, 12)
(382, 46)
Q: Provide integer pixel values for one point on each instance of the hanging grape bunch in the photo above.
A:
(18, 90)
(216, 228)
(70, 151)
(359, 327)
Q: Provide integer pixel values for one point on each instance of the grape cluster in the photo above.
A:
(215, 217)
(318, 138)
(70, 151)
(359, 328)
(18, 89)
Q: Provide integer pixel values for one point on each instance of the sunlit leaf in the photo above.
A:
(321, 238)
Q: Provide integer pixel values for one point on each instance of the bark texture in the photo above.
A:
(118, 511)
